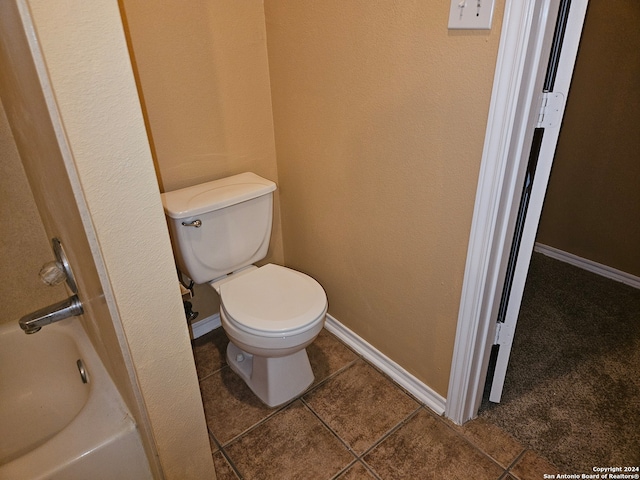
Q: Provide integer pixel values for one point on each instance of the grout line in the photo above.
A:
(224, 453)
(515, 462)
(282, 407)
(356, 458)
(231, 464)
(370, 469)
(333, 432)
(482, 449)
(211, 373)
(337, 475)
(371, 364)
(473, 444)
(360, 457)
(258, 423)
(397, 385)
(392, 430)
(354, 463)
(393, 371)
(385, 435)
(326, 379)
(215, 440)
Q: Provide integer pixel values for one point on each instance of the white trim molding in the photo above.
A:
(205, 325)
(589, 265)
(527, 27)
(399, 375)
(468, 367)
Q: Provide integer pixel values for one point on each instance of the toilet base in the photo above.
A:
(275, 380)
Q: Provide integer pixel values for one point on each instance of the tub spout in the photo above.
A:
(33, 322)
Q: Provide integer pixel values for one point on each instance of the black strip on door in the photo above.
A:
(550, 77)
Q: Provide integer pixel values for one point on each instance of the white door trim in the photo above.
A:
(520, 51)
(479, 288)
(551, 123)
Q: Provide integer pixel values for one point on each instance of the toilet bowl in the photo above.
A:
(271, 314)
(219, 229)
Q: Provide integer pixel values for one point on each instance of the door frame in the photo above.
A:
(525, 27)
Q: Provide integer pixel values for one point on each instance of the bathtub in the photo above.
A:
(52, 424)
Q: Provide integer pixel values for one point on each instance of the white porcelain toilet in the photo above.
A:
(270, 313)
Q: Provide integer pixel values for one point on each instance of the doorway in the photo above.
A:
(517, 98)
(572, 384)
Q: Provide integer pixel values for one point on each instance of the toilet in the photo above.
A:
(271, 313)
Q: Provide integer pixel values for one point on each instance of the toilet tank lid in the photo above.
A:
(211, 196)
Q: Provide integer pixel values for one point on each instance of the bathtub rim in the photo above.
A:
(84, 436)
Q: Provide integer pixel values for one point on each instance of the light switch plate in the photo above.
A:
(471, 14)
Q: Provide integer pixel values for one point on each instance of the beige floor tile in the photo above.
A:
(427, 448)
(209, 352)
(224, 471)
(230, 407)
(533, 467)
(327, 355)
(361, 405)
(292, 444)
(492, 440)
(357, 472)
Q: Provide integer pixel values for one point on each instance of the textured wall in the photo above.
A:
(203, 76)
(592, 207)
(380, 115)
(88, 63)
(202, 66)
(24, 245)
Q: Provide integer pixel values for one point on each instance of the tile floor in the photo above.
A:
(352, 423)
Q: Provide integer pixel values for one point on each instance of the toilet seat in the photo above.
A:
(273, 301)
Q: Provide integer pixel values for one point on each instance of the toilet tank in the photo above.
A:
(235, 216)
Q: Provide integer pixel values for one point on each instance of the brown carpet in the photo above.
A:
(572, 391)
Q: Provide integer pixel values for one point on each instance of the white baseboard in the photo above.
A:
(422, 392)
(588, 265)
(204, 326)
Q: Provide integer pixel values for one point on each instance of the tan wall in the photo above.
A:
(592, 207)
(204, 78)
(203, 75)
(380, 115)
(24, 245)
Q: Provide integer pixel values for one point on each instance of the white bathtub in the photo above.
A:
(52, 425)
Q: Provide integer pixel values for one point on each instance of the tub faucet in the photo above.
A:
(33, 322)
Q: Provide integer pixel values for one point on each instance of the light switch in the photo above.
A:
(471, 14)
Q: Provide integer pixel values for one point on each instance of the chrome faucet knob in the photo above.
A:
(52, 274)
